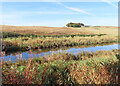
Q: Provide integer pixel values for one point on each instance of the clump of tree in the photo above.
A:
(75, 24)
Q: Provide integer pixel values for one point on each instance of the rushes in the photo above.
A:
(86, 68)
(12, 34)
(23, 43)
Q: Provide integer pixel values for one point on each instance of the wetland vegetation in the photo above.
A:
(100, 67)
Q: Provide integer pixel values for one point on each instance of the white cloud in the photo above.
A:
(79, 10)
(74, 9)
(110, 2)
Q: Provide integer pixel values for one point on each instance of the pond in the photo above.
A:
(73, 50)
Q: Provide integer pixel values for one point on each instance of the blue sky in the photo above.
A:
(58, 14)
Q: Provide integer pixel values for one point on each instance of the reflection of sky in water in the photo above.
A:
(75, 51)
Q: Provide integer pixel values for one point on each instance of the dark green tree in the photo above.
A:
(74, 24)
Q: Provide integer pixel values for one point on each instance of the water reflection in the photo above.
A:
(74, 50)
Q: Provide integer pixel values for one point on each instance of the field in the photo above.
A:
(100, 67)
(39, 30)
(42, 30)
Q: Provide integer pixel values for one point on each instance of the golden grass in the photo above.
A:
(43, 30)
(112, 31)
(49, 42)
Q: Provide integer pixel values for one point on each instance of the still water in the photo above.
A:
(73, 50)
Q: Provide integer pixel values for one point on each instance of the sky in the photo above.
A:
(58, 14)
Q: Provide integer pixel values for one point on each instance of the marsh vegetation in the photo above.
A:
(100, 67)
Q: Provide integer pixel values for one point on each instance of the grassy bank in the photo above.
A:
(85, 68)
(11, 34)
(23, 43)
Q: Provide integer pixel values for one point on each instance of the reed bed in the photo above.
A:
(100, 67)
(24, 43)
(11, 34)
